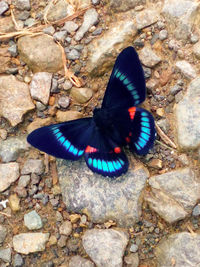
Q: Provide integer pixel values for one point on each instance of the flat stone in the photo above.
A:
(120, 5)
(63, 101)
(196, 210)
(15, 99)
(73, 54)
(82, 95)
(78, 261)
(40, 53)
(40, 86)
(37, 123)
(196, 50)
(3, 7)
(14, 202)
(186, 69)
(181, 248)
(65, 228)
(24, 180)
(5, 254)
(9, 173)
(173, 194)
(32, 220)
(33, 166)
(27, 243)
(90, 18)
(22, 4)
(132, 260)
(3, 233)
(187, 117)
(146, 18)
(70, 26)
(69, 115)
(18, 260)
(49, 30)
(104, 50)
(60, 36)
(105, 247)
(10, 148)
(101, 198)
(148, 57)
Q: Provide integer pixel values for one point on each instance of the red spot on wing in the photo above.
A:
(90, 149)
(132, 112)
(130, 134)
(117, 150)
(128, 140)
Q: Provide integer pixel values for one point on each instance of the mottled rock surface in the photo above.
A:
(82, 95)
(40, 53)
(173, 194)
(69, 115)
(78, 261)
(120, 5)
(187, 117)
(33, 166)
(103, 198)
(9, 172)
(105, 247)
(30, 242)
(186, 69)
(148, 57)
(15, 99)
(180, 248)
(146, 17)
(32, 220)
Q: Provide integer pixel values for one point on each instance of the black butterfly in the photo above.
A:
(116, 124)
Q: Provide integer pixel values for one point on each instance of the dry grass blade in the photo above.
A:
(164, 137)
(14, 20)
(54, 173)
(68, 73)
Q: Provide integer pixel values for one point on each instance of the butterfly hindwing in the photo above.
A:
(66, 140)
(126, 86)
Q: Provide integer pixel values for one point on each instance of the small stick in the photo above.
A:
(46, 162)
(5, 214)
(162, 144)
(14, 20)
(164, 137)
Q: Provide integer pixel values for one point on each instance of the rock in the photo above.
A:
(119, 5)
(14, 202)
(60, 36)
(3, 134)
(62, 241)
(67, 85)
(3, 7)
(33, 166)
(132, 260)
(6, 25)
(196, 50)
(10, 148)
(181, 248)
(105, 247)
(78, 261)
(196, 210)
(73, 54)
(29, 22)
(22, 4)
(13, 50)
(90, 18)
(102, 198)
(49, 30)
(155, 163)
(37, 123)
(63, 101)
(194, 38)
(9, 172)
(40, 86)
(3, 233)
(62, 116)
(164, 125)
(4, 60)
(104, 50)
(81, 95)
(18, 260)
(186, 69)
(15, 99)
(74, 218)
(40, 53)
(58, 10)
(187, 117)
(146, 18)
(175, 89)
(173, 194)
(32, 220)
(70, 26)
(134, 248)
(30, 242)
(5, 254)
(163, 35)
(148, 57)
(65, 228)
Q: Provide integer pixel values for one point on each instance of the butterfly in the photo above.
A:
(118, 123)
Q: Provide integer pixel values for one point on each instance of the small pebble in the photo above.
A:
(18, 260)
(60, 36)
(3, 7)
(67, 85)
(163, 35)
(24, 180)
(49, 30)
(33, 221)
(70, 26)
(196, 210)
(63, 101)
(133, 248)
(14, 202)
(73, 54)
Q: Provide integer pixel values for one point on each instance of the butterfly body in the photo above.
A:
(118, 123)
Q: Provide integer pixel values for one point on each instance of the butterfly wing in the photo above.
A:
(137, 129)
(126, 86)
(66, 140)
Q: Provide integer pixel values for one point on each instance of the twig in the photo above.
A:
(54, 173)
(46, 162)
(14, 20)
(164, 137)
(162, 144)
(5, 214)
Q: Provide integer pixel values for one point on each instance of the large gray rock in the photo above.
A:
(104, 50)
(187, 116)
(105, 247)
(173, 194)
(121, 5)
(182, 249)
(15, 99)
(102, 198)
(146, 18)
(40, 53)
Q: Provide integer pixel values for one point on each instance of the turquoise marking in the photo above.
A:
(55, 131)
(75, 151)
(138, 148)
(144, 119)
(134, 92)
(58, 135)
(122, 77)
(118, 74)
(110, 166)
(137, 102)
(146, 130)
(144, 114)
(146, 124)
(136, 97)
(141, 142)
(94, 163)
(67, 144)
(130, 87)
(71, 149)
(126, 81)
(117, 165)
(104, 165)
(80, 153)
(99, 164)
(121, 161)
(144, 136)
(62, 139)
(90, 161)
(115, 72)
